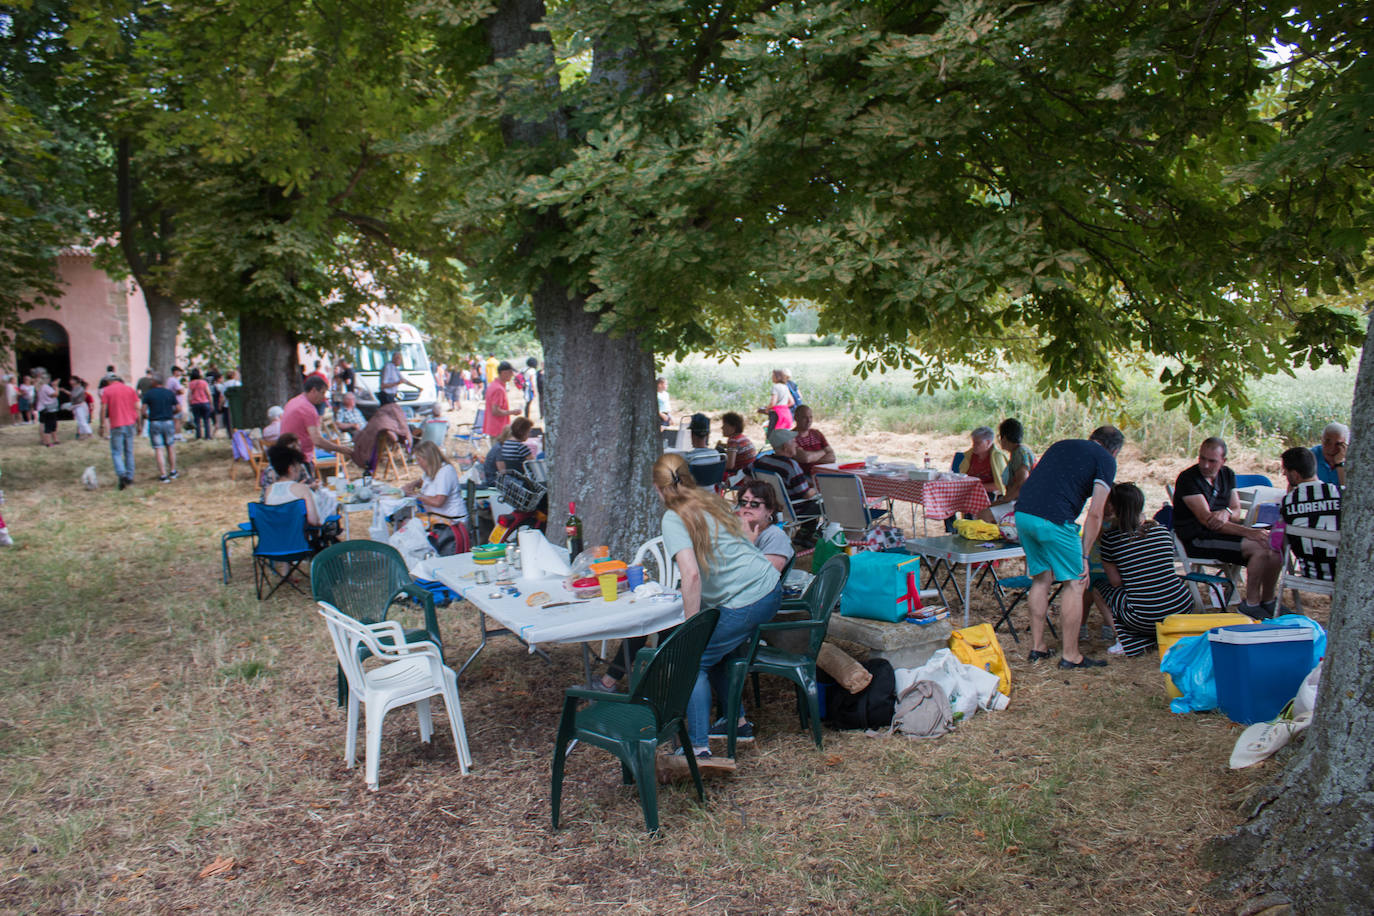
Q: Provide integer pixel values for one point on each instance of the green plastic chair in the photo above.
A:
(632, 725)
(364, 579)
(799, 668)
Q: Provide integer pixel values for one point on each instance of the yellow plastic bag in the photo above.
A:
(978, 645)
(973, 529)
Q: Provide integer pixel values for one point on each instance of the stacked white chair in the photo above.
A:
(411, 673)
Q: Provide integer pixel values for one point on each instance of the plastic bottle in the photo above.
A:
(927, 461)
(573, 529)
(377, 531)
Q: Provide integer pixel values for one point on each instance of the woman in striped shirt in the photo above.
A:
(513, 451)
(1142, 587)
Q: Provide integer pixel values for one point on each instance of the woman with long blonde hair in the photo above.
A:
(720, 567)
(439, 489)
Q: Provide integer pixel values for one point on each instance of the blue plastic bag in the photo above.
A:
(1299, 620)
(1189, 664)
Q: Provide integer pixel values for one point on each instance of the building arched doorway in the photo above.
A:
(53, 353)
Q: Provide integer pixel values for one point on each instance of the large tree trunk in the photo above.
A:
(601, 417)
(602, 426)
(1310, 837)
(270, 364)
(164, 323)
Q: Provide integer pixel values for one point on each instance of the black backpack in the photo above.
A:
(873, 706)
(448, 540)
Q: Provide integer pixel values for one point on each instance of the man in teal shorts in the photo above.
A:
(1071, 472)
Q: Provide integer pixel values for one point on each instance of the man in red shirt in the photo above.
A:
(812, 448)
(119, 411)
(498, 412)
(300, 416)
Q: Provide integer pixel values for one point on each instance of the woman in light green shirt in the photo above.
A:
(720, 567)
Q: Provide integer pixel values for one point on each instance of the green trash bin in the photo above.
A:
(234, 396)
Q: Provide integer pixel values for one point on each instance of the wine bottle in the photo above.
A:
(573, 529)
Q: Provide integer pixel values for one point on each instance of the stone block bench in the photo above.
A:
(904, 645)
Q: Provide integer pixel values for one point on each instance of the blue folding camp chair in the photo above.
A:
(278, 542)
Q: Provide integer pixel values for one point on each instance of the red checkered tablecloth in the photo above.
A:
(941, 498)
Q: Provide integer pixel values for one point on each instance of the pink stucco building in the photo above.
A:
(99, 321)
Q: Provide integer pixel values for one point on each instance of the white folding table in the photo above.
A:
(592, 620)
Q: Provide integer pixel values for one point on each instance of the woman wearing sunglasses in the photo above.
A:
(756, 509)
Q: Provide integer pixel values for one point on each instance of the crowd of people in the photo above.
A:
(1082, 530)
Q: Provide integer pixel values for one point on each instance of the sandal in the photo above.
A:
(1037, 656)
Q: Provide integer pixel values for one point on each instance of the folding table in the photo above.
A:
(590, 621)
(942, 554)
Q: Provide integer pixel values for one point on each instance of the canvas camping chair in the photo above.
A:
(846, 505)
(278, 542)
(1224, 584)
(471, 434)
(708, 476)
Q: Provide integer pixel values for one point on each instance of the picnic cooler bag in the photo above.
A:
(881, 586)
(1258, 668)
(978, 646)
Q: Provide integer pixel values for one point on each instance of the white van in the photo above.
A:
(415, 367)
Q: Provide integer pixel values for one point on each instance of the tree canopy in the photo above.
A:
(954, 182)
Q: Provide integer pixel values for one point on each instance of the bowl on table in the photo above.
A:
(487, 554)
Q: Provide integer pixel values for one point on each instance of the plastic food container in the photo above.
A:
(487, 554)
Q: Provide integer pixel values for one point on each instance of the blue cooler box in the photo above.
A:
(1258, 668)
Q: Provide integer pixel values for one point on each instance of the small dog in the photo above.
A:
(88, 477)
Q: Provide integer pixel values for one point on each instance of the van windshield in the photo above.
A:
(368, 359)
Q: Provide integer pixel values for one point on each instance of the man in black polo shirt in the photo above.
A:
(1207, 519)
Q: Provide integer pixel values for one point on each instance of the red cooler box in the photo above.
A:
(1258, 668)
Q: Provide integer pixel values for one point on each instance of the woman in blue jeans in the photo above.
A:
(720, 567)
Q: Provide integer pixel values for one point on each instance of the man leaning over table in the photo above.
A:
(1070, 473)
(299, 417)
(1331, 453)
(1208, 521)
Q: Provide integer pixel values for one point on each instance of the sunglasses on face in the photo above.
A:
(750, 504)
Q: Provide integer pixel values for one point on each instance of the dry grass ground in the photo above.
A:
(155, 721)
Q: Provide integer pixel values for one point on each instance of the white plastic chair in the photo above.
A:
(413, 672)
(653, 549)
(1293, 577)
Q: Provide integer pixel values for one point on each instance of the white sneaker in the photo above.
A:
(5, 539)
(1117, 649)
